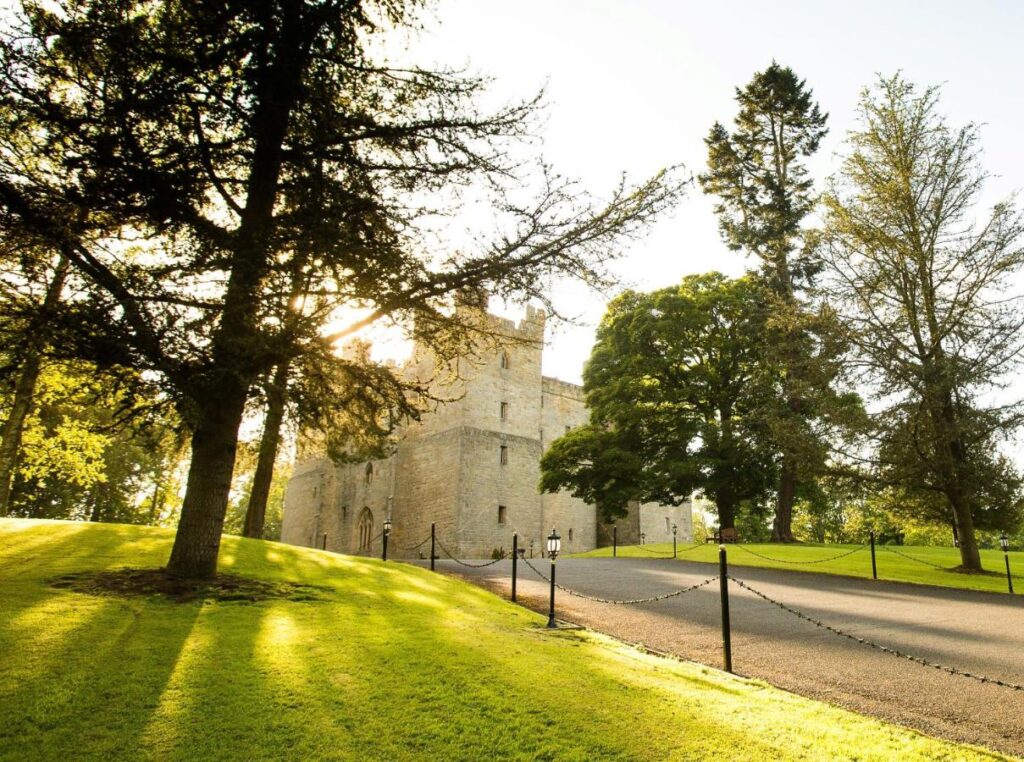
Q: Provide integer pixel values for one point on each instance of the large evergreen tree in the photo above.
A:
(758, 172)
(188, 158)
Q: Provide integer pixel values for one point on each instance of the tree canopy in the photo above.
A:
(193, 161)
(677, 390)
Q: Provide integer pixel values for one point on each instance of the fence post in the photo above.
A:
(615, 541)
(515, 560)
(874, 566)
(723, 576)
(431, 546)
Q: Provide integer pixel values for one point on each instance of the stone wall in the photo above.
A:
(451, 468)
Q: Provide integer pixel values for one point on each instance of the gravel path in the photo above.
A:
(973, 631)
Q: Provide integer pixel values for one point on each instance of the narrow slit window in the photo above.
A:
(570, 535)
(504, 411)
(506, 361)
(504, 455)
(502, 514)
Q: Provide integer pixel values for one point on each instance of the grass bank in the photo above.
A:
(908, 563)
(390, 662)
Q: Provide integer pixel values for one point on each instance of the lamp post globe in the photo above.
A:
(1004, 542)
(643, 537)
(554, 546)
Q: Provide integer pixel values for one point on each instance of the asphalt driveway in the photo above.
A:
(973, 631)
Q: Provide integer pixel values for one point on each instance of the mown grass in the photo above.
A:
(915, 565)
(392, 662)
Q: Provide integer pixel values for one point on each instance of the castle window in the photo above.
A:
(504, 411)
(506, 361)
(502, 514)
(365, 529)
(668, 525)
(369, 473)
(570, 535)
(504, 455)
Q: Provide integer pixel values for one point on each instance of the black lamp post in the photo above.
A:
(387, 533)
(674, 530)
(1004, 543)
(554, 545)
(642, 536)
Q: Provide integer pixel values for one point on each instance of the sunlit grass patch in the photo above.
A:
(393, 663)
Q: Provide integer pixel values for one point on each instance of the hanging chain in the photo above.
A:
(813, 561)
(448, 553)
(618, 602)
(912, 558)
(878, 646)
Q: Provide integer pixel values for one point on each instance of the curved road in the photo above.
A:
(973, 631)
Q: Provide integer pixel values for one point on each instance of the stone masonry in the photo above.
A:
(471, 467)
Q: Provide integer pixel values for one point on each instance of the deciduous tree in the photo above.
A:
(923, 283)
(677, 389)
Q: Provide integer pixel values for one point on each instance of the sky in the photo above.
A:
(635, 86)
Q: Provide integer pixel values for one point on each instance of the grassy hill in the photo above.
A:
(390, 662)
(911, 563)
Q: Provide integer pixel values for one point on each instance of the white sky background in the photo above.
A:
(635, 86)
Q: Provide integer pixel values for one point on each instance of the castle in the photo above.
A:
(471, 467)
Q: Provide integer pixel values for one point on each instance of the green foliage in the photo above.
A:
(759, 174)
(92, 450)
(675, 388)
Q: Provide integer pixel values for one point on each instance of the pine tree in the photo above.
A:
(759, 174)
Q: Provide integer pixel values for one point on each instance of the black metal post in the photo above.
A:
(874, 566)
(723, 576)
(515, 559)
(432, 556)
(384, 548)
(1009, 579)
(615, 542)
(551, 610)
(674, 545)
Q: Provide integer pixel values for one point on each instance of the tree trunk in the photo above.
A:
(726, 505)
(782, 525)
(24, 391)
(256, 512)
(214, 444)
(970, 557)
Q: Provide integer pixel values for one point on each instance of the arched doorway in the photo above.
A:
(365, 527)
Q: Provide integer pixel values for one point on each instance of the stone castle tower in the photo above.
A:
(471, 467)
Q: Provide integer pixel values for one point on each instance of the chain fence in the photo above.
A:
(912, 558)
(877, 646)
(620, 602)
(450, 555)
(801, 563)
(417, 546)
(659, 554)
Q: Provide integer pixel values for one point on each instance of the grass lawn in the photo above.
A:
(393, 662)
(913, 566)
